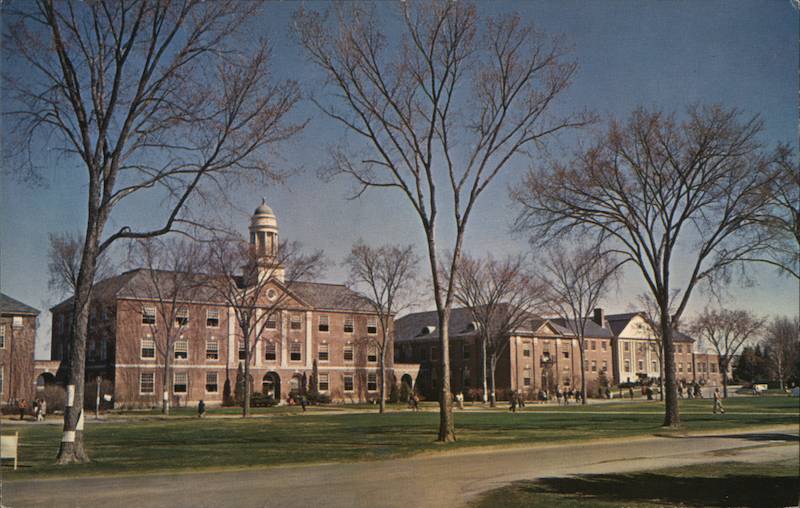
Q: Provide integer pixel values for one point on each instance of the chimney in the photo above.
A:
(599, 316)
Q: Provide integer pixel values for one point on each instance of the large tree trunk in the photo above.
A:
(583, 372)
(492, 388)
(167, 386)
(383, 380)
(246, 400)
(483, 371)
(671, 412)
(723, 368)
(72, 450)
(447, 431)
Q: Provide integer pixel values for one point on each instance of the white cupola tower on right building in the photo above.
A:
(264, 239)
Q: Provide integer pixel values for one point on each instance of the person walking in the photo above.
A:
(513, 407)
(23, 408)
(201, 409)
(558, 395)
(460, 400)
(718, 402)
(303, 402)
(42, 409)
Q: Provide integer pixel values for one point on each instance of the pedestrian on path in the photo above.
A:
(303, 402)
(23, 408)
(513, 407)
(201, 409)
(42, 409)
(718, 402)
(630, 391)
(460, 400)
(558, 395)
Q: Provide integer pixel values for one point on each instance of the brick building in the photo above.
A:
(544, 353)
(17, 345)
(326, 323)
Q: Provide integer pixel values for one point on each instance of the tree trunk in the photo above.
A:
(72, 450)
(483, 371)
(167, 386)
(671, 412)
(246, 400)
(723, 368)
(447, 431)
(492, 392)
(583, 372)
(382, 408)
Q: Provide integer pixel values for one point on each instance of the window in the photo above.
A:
(16, 321)
(688, 367)
(713, 367)
(148, 348)
(146, 383)
(594, 365)
(270, 351)
(372, 353)
(348, 352)
(242, 351)
(1, 380)
(626, 346)
(182, 317)
(212, 318)
(212, 385)
(372, 382)
(182, 349)
(627, 365)
(565, 353)
(603, 345)
(2, 336)
(91, 350)
(586, 365)
(323, 384)
(605, 366)
(271, 323)
(348, 382)
(372, 326)
(526, 350)
(324, 323)
(594, 345)
(322, 353)
(680, 348)
(212, 349)
(149, 316)
(526, 377)
(103, 353)
(654, 365)
(296, 323)
(295, 352)
(348, 325)
(641, 365)
(680, 367)
(181, 383)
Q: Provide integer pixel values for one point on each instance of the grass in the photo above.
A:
(146, 443)
(718, 484)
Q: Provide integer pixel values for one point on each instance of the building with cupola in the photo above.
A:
(318, 327)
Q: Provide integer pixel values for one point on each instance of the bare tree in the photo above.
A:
(386, 276)
(255, 284)
(171, 280)
(657, 188)
(155, 98)
(727, 330)
(64, 262)
(782, 219)
(577, 279)
(782, 340)
(451, 104)
(501, 296)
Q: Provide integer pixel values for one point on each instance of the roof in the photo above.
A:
(618, 322)
(411, 326)
(9, 305)
(136, 284)
(591, 329)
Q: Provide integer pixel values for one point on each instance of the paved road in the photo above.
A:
(440, 480)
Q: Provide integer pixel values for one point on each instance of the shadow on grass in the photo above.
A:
(728, 490)
(766, 436)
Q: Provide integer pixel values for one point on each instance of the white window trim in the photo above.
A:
(352, 325)
(352, 383)
(328, 377)
(15, 320)
(175, 350)
(145, 312)
(153, 374)
(181, 312)
(327, 351)
(2, 336)
(370, 322)
(141, 348)
(291, 348)
(328, 323)
(376, 381)
(214, 341)
(205, 386)
(175, 382)
(219, 318)
(350, 346)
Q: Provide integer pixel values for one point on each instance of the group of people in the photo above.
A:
(39, 409)
(692, 390)
(517, 401)
(568, 394)
(413, 402)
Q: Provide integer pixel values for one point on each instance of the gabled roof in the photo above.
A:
(424, 325)
(9, 305)
(136, 284)
(618, 322)
(590, 328)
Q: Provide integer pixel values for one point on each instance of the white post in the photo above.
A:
(97, 400)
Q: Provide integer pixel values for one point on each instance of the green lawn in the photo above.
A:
(719, 484)
(147, 443)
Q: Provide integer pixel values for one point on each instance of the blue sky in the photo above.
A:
(664, 54)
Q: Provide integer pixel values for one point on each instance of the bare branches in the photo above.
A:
(385, 276)
(64, 262)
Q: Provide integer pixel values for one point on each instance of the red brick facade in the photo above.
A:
(17, 345)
